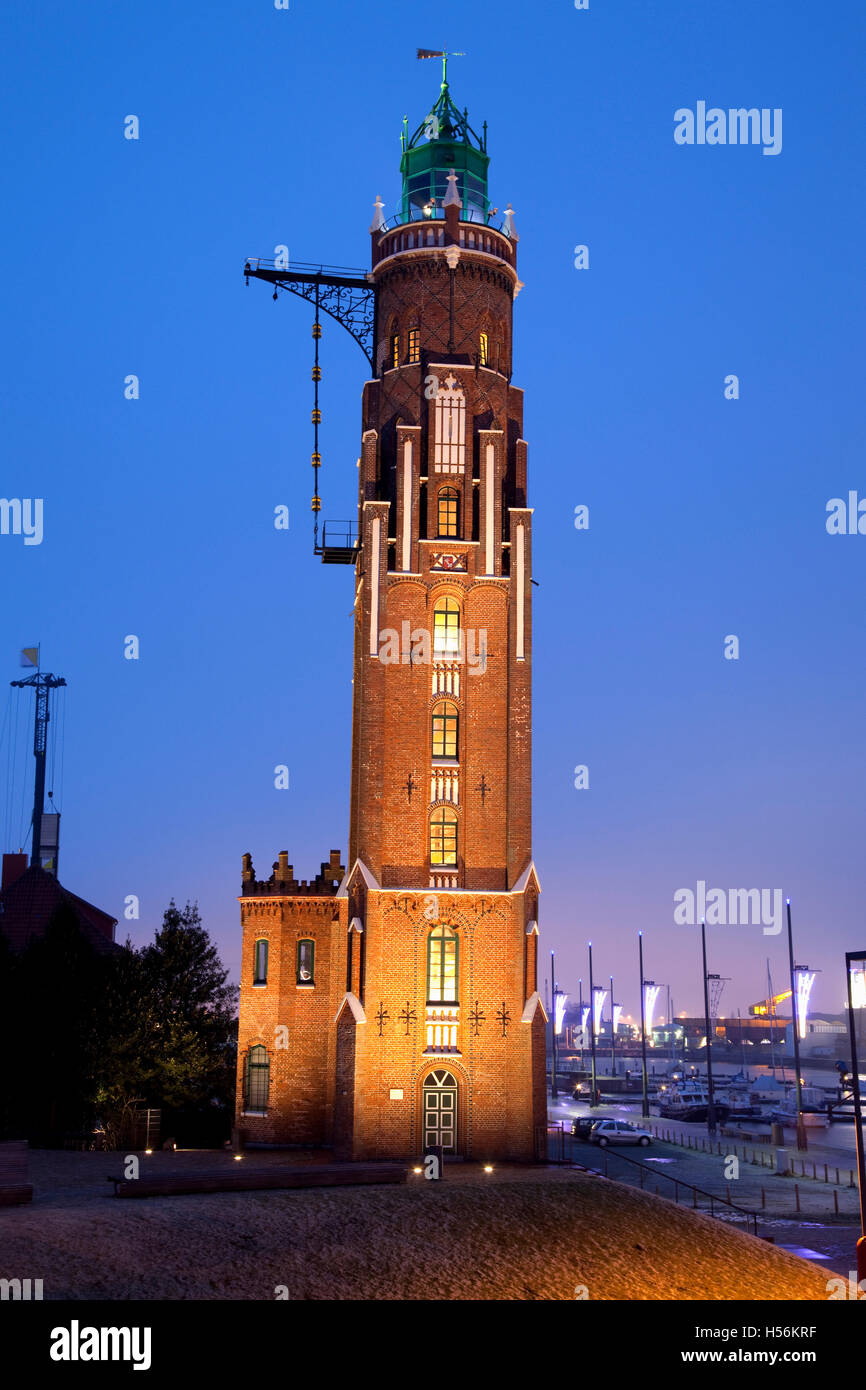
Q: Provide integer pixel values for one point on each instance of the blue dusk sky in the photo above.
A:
(261, 127)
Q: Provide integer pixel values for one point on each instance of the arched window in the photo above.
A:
(257, 1077)
(442, 961)
(447, 510)
(306, 962)
(260, 963)
(443, 838)
(446, 627)
(484, 349)
(446, 723)
(414, 345)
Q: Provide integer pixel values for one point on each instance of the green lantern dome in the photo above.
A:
(444, 141)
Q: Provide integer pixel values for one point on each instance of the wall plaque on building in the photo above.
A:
(448, 562)
(396, 1095)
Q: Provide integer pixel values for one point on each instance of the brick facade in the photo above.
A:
(361, 1054)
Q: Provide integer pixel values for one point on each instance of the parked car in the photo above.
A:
(581, 1126)
(618, 1132)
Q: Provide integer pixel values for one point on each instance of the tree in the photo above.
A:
(169, 1031)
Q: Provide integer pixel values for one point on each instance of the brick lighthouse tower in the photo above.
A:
(392, 1004)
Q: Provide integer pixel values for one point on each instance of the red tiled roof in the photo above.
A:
(26, 906)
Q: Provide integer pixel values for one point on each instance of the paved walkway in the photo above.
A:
(805, 1215)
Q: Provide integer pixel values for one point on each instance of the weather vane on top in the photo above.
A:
(439, 53)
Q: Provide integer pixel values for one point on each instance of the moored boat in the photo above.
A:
(813, 1108)
(690, 1101)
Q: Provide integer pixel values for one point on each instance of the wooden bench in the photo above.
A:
(251, 1179)
(15, 1190)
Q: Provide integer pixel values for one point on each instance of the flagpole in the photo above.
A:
(592, 1098)
(645, 1104)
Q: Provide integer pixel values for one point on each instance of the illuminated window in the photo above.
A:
(446, 627)
(445, 726)
(484, 349)
(260, 963)
(443, 837)
(394, 350)
(257, 1077)
(442, 966)
(306, 957)
(448, 502)
(414, 345)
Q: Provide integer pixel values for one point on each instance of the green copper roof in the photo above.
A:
(444, 141)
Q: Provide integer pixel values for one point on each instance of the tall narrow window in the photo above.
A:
(448, 510)
(446, 627)
(394, 350)
(449, 442)
(257, 1077)
(306, 961)
(445, 727)
(484, 349)
(442, 966)
(443, 838)
(414, 345)
(260, 963)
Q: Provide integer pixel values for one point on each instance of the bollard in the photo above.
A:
(782, 1167)
(837, 1176)
(836, 1200)
(797, 1194)
(825, 1173)
(763, 1199)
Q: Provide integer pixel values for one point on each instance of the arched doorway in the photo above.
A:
(439, 1111)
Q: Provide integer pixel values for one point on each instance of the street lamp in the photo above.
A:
(553, 1091)
(592, 1096)
(645, 1103)
(860, 957)
(613, 1009)
(711, 1109)
(801, 1128)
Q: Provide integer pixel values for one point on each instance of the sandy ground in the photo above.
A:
(518, 1233)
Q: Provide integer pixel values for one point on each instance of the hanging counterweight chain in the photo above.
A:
(317, 420)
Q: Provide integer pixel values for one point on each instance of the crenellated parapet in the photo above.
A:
(282, 881)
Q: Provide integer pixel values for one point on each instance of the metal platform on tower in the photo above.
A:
(340, 543)
(346, 294)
